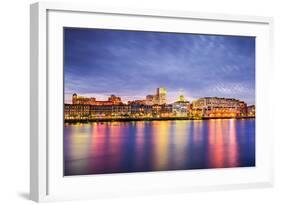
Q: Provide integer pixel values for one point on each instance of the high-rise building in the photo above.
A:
(159, 99)
(161, 95)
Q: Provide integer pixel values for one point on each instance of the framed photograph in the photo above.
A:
(128, 101)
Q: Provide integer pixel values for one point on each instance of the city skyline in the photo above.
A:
(132, 64)
(179, 97)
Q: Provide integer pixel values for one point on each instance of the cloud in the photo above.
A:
(134, 64)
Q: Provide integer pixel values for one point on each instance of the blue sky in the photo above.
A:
(132, 64)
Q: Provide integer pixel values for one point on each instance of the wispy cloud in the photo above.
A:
(133, 64)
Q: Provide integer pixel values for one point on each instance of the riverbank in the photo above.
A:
(147, 119)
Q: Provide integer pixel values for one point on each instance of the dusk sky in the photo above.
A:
(132, 64)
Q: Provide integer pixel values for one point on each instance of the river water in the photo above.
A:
(122, 147)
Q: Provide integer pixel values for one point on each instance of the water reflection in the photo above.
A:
(117, 147)
(232, 145)
(160, 134)
(179, 140)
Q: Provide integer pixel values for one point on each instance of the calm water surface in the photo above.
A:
(118, 147)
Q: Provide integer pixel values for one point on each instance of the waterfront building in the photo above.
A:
(80, 111)
(141, 110)
(81, 100)
(251, 111)
(156, 109)
(76, 111)
(121, 110)
(218, 107)
(243, 108)
(84, 108)
(166, 110)
(101, 110)
(115, 100)
(181, 108)
(109, 110)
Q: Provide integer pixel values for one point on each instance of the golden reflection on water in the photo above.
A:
(179, 140)
(79, 150)
(79, 137)
(160, 134)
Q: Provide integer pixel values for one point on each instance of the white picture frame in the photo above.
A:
(46, 179)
